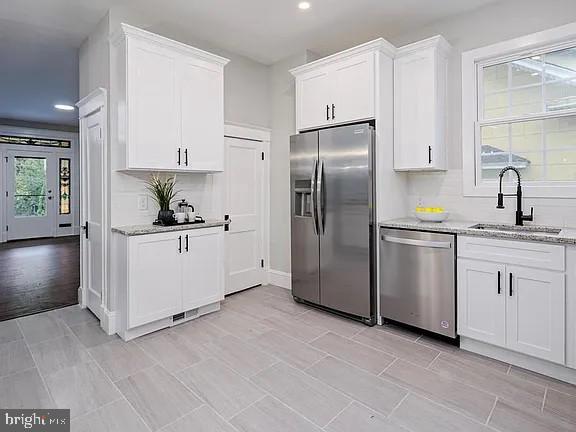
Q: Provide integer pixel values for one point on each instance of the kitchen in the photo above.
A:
(362, 260)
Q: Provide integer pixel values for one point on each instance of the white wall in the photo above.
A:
(485, 26)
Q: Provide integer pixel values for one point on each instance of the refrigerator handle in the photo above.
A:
(320, 197)
(314, 198)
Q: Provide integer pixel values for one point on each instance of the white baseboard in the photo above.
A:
(543, 367)
(279, 278)
(108, 322)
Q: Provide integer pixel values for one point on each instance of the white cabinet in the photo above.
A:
(420, 87)
(203, 268)
(482, 301)
(535, 313)
(340, 88)
(155, 278)
(512, 306)
(167, 103)
(313, 98)
(169, 274)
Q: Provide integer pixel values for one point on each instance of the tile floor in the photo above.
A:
(266, 364)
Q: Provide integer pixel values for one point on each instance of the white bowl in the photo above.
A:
(431, 217)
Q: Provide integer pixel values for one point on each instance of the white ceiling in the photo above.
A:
(39, 39)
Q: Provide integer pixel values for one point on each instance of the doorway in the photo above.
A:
(245, 203)
(39, 242)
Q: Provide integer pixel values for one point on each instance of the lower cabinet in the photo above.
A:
(170, 273)
(482, 301)
(519, 308)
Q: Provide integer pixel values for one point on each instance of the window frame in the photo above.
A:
(472, 63)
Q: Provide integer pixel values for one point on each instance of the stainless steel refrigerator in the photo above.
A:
(333, 221)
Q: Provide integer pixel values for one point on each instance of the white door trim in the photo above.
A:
(71, 153)
(256, 133)
(96, 101)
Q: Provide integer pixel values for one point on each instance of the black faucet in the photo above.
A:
(520, 217)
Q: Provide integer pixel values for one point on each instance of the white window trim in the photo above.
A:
(534, 44)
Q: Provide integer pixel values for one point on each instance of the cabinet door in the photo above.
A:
(152, 111)
(482, 301)
(201, 96)
(203, 271)
(415, 110)
(536, 313)
(353, 89)
(155, 278)
(313, 100)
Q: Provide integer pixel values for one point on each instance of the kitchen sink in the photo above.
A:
(518, 229)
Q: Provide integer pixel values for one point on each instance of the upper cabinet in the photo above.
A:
(339, 88)
(420, 86)
(167, 103)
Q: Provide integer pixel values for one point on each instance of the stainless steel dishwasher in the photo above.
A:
(417, 279)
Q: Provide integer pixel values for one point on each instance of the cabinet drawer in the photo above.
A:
(527, 254)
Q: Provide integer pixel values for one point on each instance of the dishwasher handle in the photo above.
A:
(421, 243)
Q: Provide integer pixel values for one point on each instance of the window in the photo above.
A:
(64, 184)
(519, 109)
(42, 142)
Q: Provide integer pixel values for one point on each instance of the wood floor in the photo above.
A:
(38, 275)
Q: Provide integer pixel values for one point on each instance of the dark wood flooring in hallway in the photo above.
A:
(38, 275)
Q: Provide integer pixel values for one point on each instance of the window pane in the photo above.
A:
(542, 150)
(64, 186)
(29, 186)
(531, 85)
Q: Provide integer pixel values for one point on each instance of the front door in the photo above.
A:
(244, 171)
(91, 154)
(31, 183)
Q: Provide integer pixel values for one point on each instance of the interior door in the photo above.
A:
(305, 249)
(536, 305)
(314, 99)
(244, 204)
(31, 186)
(482, 301)
(92, 238)
(346, 221)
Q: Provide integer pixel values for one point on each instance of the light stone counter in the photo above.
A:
(135, 230)
(566, 236)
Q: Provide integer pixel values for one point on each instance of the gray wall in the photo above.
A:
(485, 26)
(246, 91)
(283, 123)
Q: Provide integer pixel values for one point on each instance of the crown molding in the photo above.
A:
(380, 45)
(126, 30)
(433, 42)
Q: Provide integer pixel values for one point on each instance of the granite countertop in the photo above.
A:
(135, 230)
(566, 236)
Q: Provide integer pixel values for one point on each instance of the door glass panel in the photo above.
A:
(29, 186)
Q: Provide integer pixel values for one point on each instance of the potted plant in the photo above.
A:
(164, 194)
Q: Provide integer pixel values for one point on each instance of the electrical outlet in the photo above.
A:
(142, 202)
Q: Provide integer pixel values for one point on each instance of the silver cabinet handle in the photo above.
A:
(319, 197)
(421, 243)
(314, 197)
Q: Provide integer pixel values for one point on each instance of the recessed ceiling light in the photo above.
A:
(304, 5)
(64, 107)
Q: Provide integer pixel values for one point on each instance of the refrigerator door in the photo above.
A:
(345, 192)
(305, 247)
